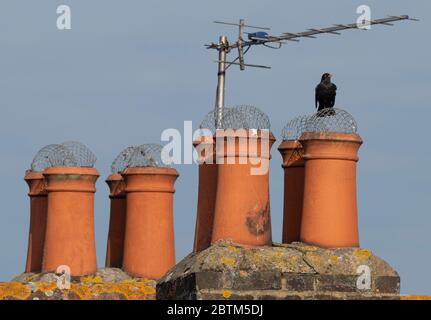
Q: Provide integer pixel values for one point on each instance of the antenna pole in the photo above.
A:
(223, 49)
(240, 45)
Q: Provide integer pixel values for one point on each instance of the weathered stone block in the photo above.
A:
(256, 280)
(388, 284)
(295, 271)
(338, 283)
(105, 284)
(298, 282)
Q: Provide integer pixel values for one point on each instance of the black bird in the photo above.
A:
(325, 93)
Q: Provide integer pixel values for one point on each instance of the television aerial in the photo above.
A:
(262, 37)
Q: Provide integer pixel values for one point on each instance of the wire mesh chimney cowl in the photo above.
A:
(67, 154)
(294, 128)
(331, 120)
(326, 120)
(145, 155)
(238, 117)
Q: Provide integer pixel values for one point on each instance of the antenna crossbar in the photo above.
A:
(245, 64)
(245, 25)
(312, 32)
(339, 27)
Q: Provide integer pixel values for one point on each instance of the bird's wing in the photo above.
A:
(334, 93)
(316, 96)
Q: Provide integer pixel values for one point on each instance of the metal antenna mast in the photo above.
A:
(263, 38)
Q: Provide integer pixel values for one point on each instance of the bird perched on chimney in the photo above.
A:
(325, 93)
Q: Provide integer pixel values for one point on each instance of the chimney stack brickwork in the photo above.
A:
(319, 209)
(293, 271)
(233, 254)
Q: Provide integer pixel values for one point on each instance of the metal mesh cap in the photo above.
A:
(83, 156)
(238, 117)
(49, 156)
(61, 156)
(147, 155)
(331, 120)
(68, 154)
(295, 128)
(121, 162)
(210, 120)
(246, 117)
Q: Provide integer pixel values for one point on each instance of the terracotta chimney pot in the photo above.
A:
(329, 216)
(242, 210)
(293, 165)
(38, 212)
(149, 248)
(70, 225)
(207, 190)
(117, 221)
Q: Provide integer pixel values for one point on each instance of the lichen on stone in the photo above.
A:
(227, 294)
(106, 283)
(14, 290)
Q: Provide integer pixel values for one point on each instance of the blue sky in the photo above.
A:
(129, 69)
